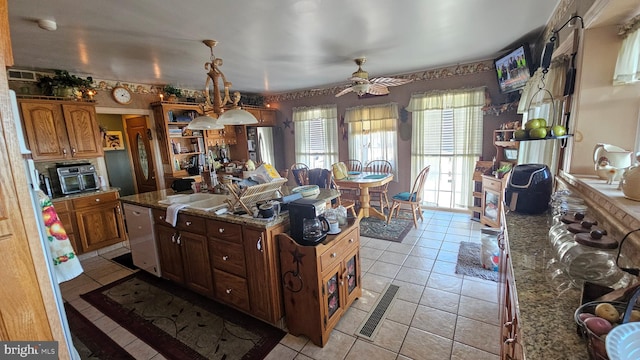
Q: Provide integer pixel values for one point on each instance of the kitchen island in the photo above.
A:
(230, 258)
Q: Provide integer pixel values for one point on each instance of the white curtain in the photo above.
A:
(628, 64)
(543, 97)
(373, 134)
(265, 145)
(447, 135)
(316, 135)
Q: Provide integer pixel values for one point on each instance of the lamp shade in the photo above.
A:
(237, 117)
(205, 122)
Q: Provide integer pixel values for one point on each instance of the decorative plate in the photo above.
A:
(623, 342)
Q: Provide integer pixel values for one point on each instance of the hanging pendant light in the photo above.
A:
(205, 122)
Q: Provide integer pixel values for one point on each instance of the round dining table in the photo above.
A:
(364, 181)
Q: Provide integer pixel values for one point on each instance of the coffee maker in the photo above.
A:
(304, 209)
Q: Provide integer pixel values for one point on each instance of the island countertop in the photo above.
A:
(546, 316)
(150, 199)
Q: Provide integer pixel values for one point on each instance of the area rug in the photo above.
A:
(125, 260)
(181, 324)
(378, 229)
(469, 262)
(91, 342)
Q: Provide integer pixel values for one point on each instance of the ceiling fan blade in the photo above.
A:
(378, 89)
(389, 81)
(347, 90)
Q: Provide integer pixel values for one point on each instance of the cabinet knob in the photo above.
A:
(351, 240)
(73, 151)
(188, 223)
(178, 239)
(98, 200)
(161, 217)
(64, 152)
(225, 258)
(228, 291)
(334, 255)
(259, 244)
(221, 230)
(173, 238)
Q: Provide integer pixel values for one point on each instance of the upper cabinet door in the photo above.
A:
(82, 129)
(46, 133)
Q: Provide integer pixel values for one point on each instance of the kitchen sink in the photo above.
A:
(206, 202)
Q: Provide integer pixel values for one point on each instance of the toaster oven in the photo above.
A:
(75, 178)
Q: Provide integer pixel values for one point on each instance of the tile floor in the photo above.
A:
(437, 314)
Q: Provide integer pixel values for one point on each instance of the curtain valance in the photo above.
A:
(447, 99)
(316, 112)
(370, 113)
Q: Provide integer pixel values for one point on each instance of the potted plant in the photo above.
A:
(173, 93)
(64, 84)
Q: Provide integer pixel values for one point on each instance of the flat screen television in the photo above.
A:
(513, 69)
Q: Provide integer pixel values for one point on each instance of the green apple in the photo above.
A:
(520, 134)
(538, 133)
(532, 124)
(558, 130)
(543, 122)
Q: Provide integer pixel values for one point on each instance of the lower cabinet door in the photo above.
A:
(195, 259)
(332, 298)
(351, 277)
(170, 255)
(256, 259)
(100, 226)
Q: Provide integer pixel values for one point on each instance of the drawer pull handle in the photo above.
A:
(188, 223)
(228, 291)
(509, 341)
(161, 217)
(351, 241)
(259, 244)
(221, 230)
(178, 239)
(334, 255)
(97, 200)
(225, 258)
(173, 238)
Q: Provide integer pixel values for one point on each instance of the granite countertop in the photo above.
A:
(150, 199)
(546, 317)
(83, 194)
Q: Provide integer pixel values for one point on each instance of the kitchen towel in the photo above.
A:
(172, 213)
(66, 264)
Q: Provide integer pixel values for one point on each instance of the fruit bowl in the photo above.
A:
(307, 191)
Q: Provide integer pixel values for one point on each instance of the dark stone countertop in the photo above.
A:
(546, 317)
(83, 194)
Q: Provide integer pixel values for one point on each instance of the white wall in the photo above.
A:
(604, 113)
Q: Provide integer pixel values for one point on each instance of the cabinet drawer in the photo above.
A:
(62, 206)
(224, 231)
(191, 224)
(228, 257)
(333, 255)
(491, 183)
(231, 289)
(94, 200)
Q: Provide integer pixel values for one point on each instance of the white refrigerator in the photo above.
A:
(33, 180)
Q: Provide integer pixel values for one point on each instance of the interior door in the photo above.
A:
(141, 155)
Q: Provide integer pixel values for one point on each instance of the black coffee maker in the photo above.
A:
(304, 209)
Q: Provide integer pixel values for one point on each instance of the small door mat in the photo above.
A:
(469, 262)
(395, 231)
(369, 327)
(125, 260)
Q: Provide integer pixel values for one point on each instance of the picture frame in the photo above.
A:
(113, 141)
(511, 154)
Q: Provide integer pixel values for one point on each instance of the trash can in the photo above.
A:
(489, 250)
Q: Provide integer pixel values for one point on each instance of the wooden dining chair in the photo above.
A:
(353, 165)
(300, 172)
(348, 204)
(413, 198)
(379, 193)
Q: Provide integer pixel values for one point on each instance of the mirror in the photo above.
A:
(142, 156)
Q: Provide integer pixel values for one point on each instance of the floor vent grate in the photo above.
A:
(369, 327)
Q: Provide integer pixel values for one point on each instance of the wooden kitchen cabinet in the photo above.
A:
(492, 198)
(59, 130)
(266, 117)
(226, 136)
(99, 220)
(183, 251)
(320, 282)
(510, 332)
(64, 209)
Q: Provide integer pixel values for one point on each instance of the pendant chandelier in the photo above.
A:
(215, 116)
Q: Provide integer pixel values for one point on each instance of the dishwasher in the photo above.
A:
(144, 252)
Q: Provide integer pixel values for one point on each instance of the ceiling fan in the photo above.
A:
(362, 85)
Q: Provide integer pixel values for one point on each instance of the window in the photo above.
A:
(447, 134)
(373, 134)
(316, 135)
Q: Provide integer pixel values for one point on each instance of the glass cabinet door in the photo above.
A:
(352, 286)
(331, 298)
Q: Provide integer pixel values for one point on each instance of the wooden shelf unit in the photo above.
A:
(482, 167)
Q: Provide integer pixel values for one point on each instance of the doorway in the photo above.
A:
(139, 136)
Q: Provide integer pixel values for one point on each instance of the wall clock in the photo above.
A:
(121, 95)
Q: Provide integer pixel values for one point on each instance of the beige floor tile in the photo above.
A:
(402, 357)
(79, 304)
(421, 251)
(461, 223)
(444, 267)
(417, 262)
(422, 345)
(75, 293)
(456, 229)
(445, 282)
(430, 243)
(415, 276)
(337, 347)
(478, 334)
(366, 301)
(456, 238)
(116, 275)
(140, 350)
(92, 313)
(408, 291)
(122, 336)
(365, 264)
(159, 357)
(449, 246)
(351, 320)
(379, 244)
(440, 221)
(374, 282)
(370, 253)
(466, 352)
(383, 269)
(303, 357)
(363, 350)
(107, 269)
(390, 335)
(106, 324)
(447, 256)
(400, 248)
(435, 321)
(480, 310)
(294, 342)
(440, 299)
(392, 258)
(480, 289)
(410, 240)
(281, 352)
(435, 233)
(81, 280)
(402, 311)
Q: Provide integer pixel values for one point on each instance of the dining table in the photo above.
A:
(363, 181)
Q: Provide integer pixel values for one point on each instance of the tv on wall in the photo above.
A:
(513, 69)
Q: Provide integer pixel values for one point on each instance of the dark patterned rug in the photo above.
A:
(378, 229)
(181, 324)
(91, 342)
(469, 262)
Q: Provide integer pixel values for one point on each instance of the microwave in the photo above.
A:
(71, 179)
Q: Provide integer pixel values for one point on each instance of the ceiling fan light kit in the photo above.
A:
(362, 85)
(215, 103)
